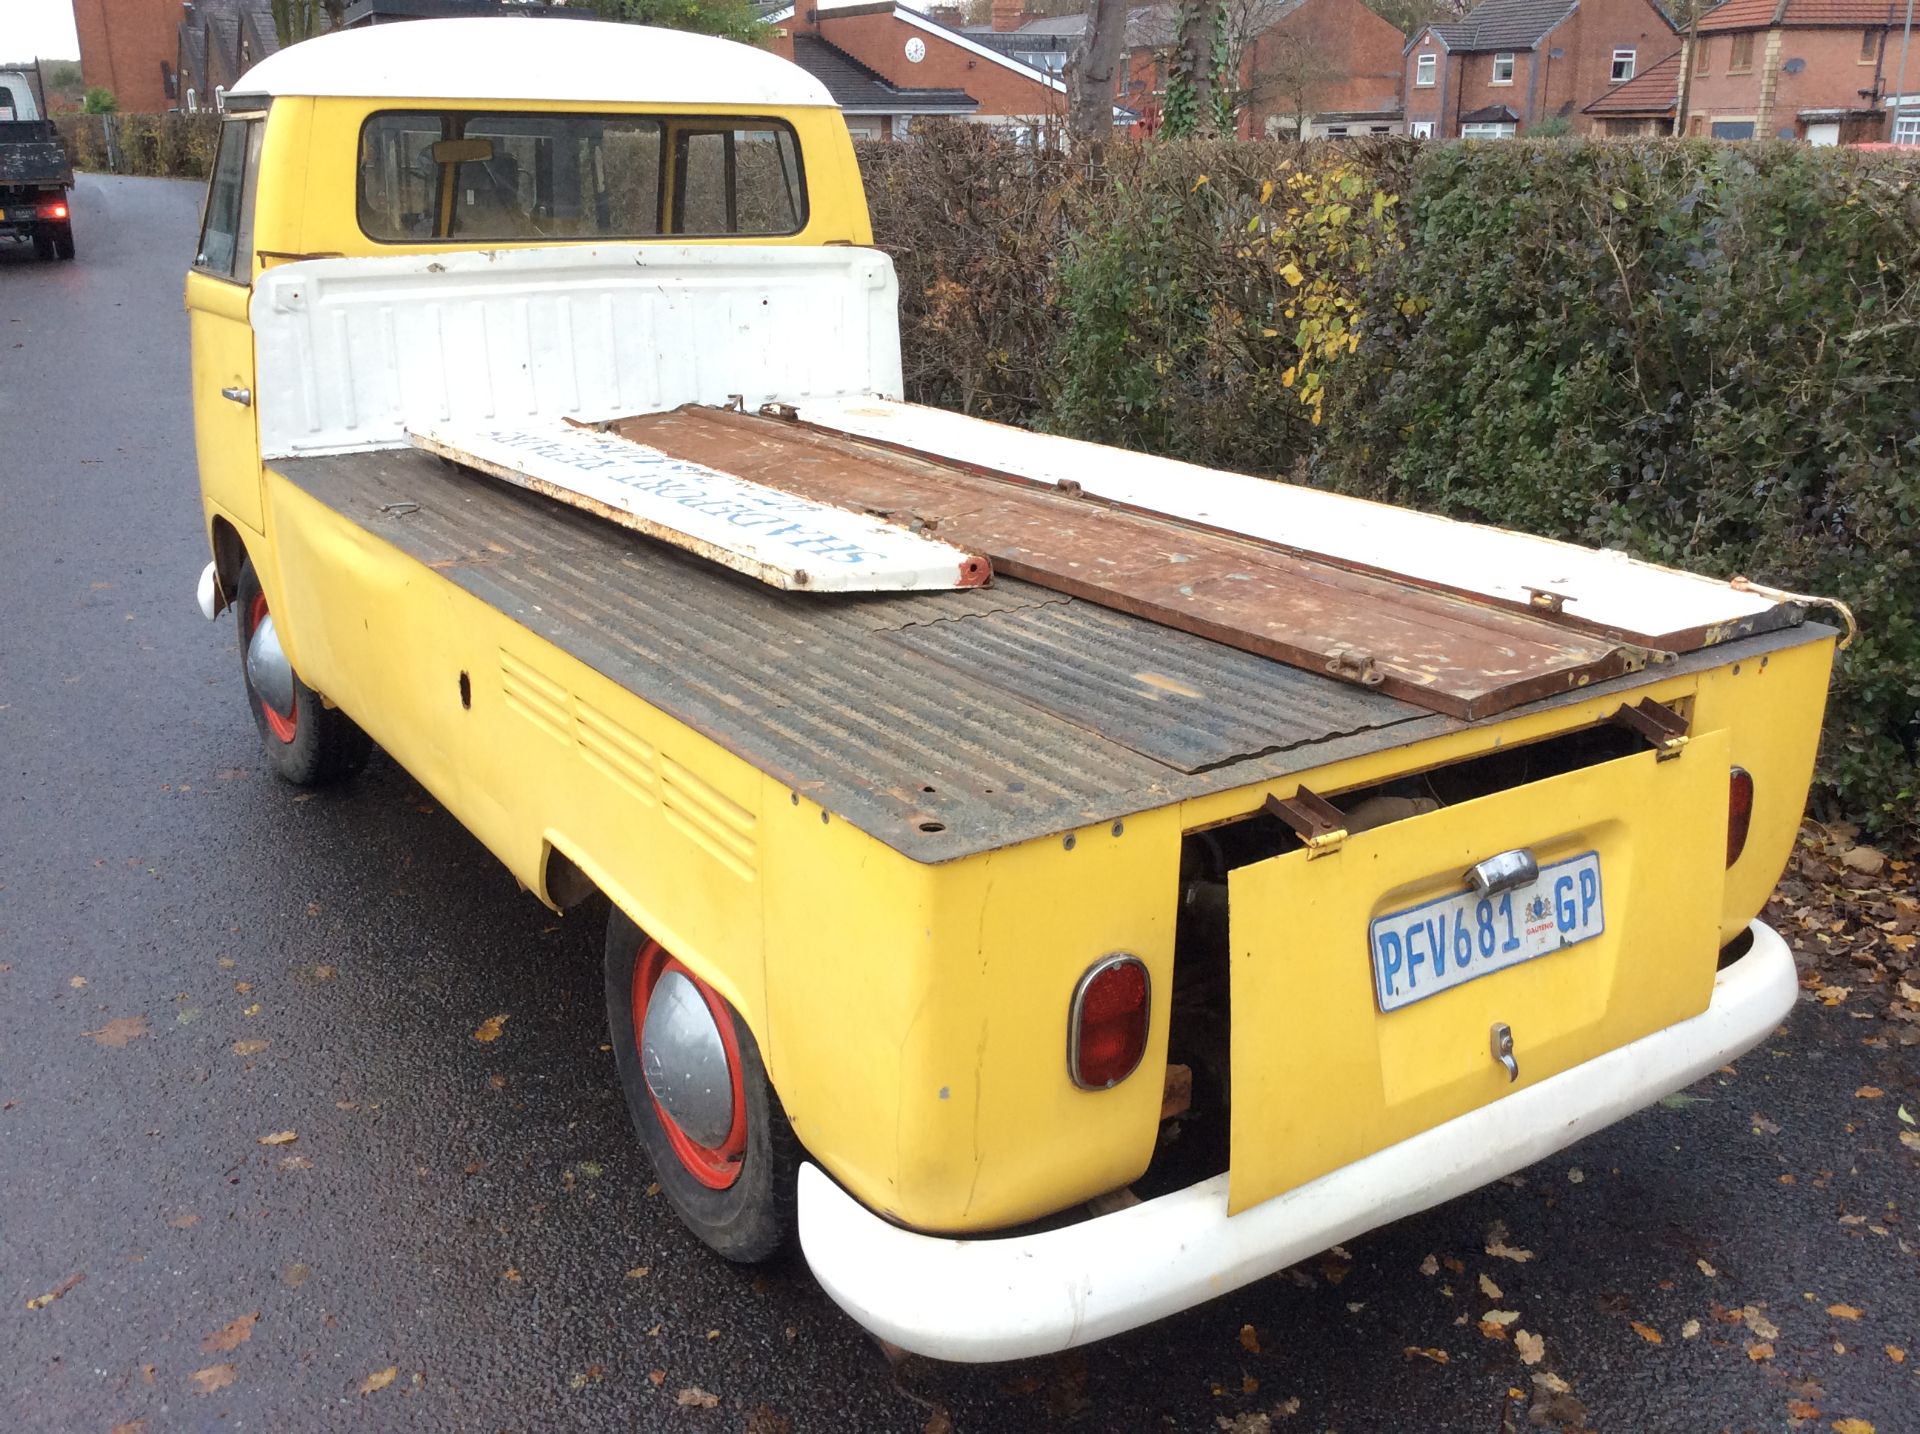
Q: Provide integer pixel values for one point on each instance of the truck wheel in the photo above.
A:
(309, 743)
(63, 241)
(698, 1093)
(42, 245)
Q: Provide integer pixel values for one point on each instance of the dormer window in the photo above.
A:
(1502, 69)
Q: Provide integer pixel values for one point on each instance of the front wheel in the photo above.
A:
(308, 743)
(726, 1158)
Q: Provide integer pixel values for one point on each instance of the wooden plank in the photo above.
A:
(1435, 649)
(783, 539)
(1601, 592)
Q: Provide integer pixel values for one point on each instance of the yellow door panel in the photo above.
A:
(224, 432)
(1322, 1076)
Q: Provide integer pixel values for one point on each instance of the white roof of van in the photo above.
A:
(509, 57)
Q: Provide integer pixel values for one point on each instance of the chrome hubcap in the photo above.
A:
(268, 669)
(685, 1061)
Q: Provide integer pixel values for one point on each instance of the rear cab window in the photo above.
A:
(443, 175)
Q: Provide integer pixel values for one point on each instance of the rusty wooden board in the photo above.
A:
(1436, 649)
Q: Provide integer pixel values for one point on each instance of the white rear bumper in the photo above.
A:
(987, 1299)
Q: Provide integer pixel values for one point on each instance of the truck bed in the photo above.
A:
(943, 724)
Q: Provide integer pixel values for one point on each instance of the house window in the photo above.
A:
(1869, 46)
(1421, 129)
(1742, 58)
(1622, 65)
(1733, 129)
(1423, 70)
(1701, 54)
(1906, 127)
(1503, 69)
(1486, 131)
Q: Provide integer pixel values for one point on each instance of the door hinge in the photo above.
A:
(1320, 825)
(1664, 728)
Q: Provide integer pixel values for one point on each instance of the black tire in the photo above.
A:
(63, 241)
(320, 745)
(752, 1219)
(42, 245)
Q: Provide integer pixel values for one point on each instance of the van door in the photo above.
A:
(218, 289)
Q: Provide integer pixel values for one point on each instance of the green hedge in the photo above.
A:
(1705, 354)
(178, 146)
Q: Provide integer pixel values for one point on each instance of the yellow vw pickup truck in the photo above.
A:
(1052, 885)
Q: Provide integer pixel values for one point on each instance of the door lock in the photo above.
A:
(1500, 1042)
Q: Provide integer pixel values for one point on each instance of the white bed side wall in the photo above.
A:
(347, 351)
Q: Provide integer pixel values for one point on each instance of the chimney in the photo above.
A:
(1009, 14)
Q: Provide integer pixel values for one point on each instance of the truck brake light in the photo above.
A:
(56, 210)
(1739, 812)
(1107, 1023)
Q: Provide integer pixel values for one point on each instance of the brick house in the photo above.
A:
(1508, 65)
(886, 64)
(217, 42)
(1817, 70)
(1316, 67)
(130, 47)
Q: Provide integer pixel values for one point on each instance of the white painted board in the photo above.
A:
(783, 540)
(1607, 590)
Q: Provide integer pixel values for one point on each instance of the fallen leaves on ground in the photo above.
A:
(1498, 1247)
(250, 1048)
(231, 1335)
(1253, 1422)
(1414, 1351)
(379, 1379)
(1853, 1426)
(40, 1302)
(695, 1398)
(1490, 1289)
(1430, 1267)
(490, 1029)
(1895, 1353)
(1646, 1332)
(1801, 1409)
(280, 1137)
(120, 1030)
(1708, 1270)
(212, 1379)
(638, 1272)
(1844, 1311)
(1690, 1329)
(1851, 914)
(1531, 1348)
(1759, 1323)
(1760, 1352)
(1249, 1339)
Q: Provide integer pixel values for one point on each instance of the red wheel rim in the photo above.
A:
(714, 1166)
(282, 728)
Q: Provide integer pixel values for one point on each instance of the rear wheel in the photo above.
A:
(42, 244)
(308, 743)
(63, 241)
(726, 1158)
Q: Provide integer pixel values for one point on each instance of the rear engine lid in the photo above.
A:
(1371, 981)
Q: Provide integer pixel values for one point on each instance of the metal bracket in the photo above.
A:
(1500, 1047)
(784, 411)
(1545, 599)
(1320, 825)
(1355, 664)
(1664, 728)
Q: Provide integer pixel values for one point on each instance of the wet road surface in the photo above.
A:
(194, 958)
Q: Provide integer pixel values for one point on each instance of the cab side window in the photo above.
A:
(226, 227)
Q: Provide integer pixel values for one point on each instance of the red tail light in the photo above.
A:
(56, 211)
(1107, 1025)
(1739, 812)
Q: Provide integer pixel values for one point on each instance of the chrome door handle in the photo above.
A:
(241, 396)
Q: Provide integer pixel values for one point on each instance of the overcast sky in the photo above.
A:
(37, 27)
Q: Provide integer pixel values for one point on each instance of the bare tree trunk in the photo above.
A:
(1199, 33)
(1091, 66)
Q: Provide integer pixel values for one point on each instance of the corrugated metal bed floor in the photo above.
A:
(1004, 713)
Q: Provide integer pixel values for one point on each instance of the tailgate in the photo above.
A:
(1323, 1075)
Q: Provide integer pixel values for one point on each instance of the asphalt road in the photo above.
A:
(194, 957)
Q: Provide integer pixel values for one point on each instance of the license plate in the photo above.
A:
(1426, 949)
